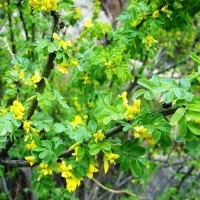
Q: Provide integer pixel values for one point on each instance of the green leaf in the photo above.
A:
(48, 157)
(138, 93)
(182, 126)
(125, 163)
(156, 134)
(92, 126)
(145, 83)
(168, 96)
(148, 95)
(137, 151)
(177, 115)
(42, 44)
(52, 48)
(164, 127)
(180, 93)
(43, 154)
(195, 57)
(47, 144)
(166, 141)
(59, 149)
(194, 128)
(185, 84)
(59, 128)
(193, 115)
(125, 145)
(106, 145)
(135, 168)
(193, 107)
(94, 150)
(79, 134)
(192, 145)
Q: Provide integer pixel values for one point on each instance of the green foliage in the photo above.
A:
(114, 99)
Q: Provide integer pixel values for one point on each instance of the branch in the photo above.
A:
(19, 6)
(11, 31)
(8, 48)
(113, 191)
(40, 86)
(5, 188)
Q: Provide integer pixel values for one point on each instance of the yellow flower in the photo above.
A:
(34, 3)
(155, 14)
(86, 79)
(140, 130)
(77, 120)
(123, 96)
(77, 104)
(72, 183)
(18, 109)
(49, 5)
(90, 104)
(36, 77)
(165, 9)
(147, 135)
(65, 170)
(150, 141)
(88, 23)
(63, 67)
(85, 116)
(65, 44)
(45, 168)
(31, 145)
(55, 36)
(136, 106)
(75, 154)
(109, 158)
(21, 75)
(99, 136)
(31, 160)
(16, 67)
(26, 126)
(77, 13)
(74, 146)
(92, 169)
(74, 62)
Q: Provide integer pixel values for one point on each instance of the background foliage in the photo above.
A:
(103, 113)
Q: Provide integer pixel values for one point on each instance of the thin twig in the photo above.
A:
(5, 188)
(113, 191)
(8, 48)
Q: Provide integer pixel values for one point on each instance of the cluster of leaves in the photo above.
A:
(72, 114)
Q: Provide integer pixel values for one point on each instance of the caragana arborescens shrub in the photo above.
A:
(111, 101)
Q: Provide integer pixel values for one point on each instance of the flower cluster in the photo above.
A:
(88, 23)
(71, 180)
(91, 170)
(26, 126)
(98, 136)
(130, 110)
(155, 14)
(77, 120)
(142, 131)
(31, 146)
(18, 109)
(46, 5)
(149, 40)
(45, 169)
(36, 77)
(109, 158)
(77, 104)
(77, 13)
(31, 160)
